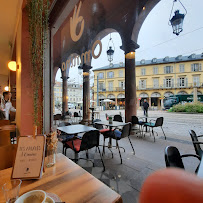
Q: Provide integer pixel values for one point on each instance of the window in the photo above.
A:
(168, 82)
(142, 84)
(181, 68)
(156, 83)
(121, 85)
(196, 67)
(168, 69)
(111, 86)
(100, 75)
(182, 82)
(143, 71)
(196, 82)
(155, 70)
(101, 86)
(110, 74)
(120, 73)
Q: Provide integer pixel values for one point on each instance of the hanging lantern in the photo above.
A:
(110, 50)
(177, 20)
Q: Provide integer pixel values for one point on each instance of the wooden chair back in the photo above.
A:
(7, 156)
(4, 122)
(5, 138)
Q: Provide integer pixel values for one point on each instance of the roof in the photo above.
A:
(166, 60)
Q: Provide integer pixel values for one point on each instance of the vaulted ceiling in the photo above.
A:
(9, 12)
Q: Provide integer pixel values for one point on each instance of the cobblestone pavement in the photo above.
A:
(127, 178)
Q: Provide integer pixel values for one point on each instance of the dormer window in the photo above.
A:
(166, 58)
(142, 61)
(179, 57)
(154, 60)
(192, 56)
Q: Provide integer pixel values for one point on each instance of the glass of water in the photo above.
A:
(11, 190)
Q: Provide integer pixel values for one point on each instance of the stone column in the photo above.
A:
(64, 96)
(150, 102)
(162, 103)
(130, 79)
(86, 93)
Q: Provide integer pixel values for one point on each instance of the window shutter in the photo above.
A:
(139, 84)
(172, 82)
(178, 82)
(145, 83)
(171, 69)
(192, 67)
(186, 82)
(200, 66)
(164, 81)
(165, 69)
(198, 83)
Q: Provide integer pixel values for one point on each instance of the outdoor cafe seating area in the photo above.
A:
(115, 155)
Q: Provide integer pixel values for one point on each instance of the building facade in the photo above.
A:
(75, 93)
(156, 79)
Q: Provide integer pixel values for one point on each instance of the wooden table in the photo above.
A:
(11, 128)
(69, 181)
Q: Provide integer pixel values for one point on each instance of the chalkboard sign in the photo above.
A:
(29, 161)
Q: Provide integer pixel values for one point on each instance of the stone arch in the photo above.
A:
(156, 94)
(182, 93)
(198, 92)
(167, 94)
(101, 96)
(144, 95)
(55, 72)
(121, 96)
(141, 18)
(111, 96)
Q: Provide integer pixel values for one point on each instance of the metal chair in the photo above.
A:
(117, 135)
(158, 123)
(196, 143)
(118, 118)
(57, 117)
(135, 121)
(63, 137)
(174, 159)
(76, 115)
(89, 140)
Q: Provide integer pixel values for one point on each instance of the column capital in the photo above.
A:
(65, 78)
(85, 67)
(129, 46)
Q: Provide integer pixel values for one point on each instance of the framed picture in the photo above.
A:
(29, 161)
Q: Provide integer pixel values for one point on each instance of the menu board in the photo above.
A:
(29, 159)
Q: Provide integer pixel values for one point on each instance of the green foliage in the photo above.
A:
(188, 107)
(38, 26)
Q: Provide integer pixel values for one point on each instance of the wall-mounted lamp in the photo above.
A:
(6, 88)
(13, 66)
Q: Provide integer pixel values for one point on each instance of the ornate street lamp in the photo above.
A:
(110, 50)
(177, 20)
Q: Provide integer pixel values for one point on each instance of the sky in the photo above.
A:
(156, 38)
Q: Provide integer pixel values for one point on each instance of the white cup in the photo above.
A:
(35, 192)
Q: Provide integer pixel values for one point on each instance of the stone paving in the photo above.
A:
(127, 178)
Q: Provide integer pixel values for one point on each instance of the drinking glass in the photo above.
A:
(11, 190)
